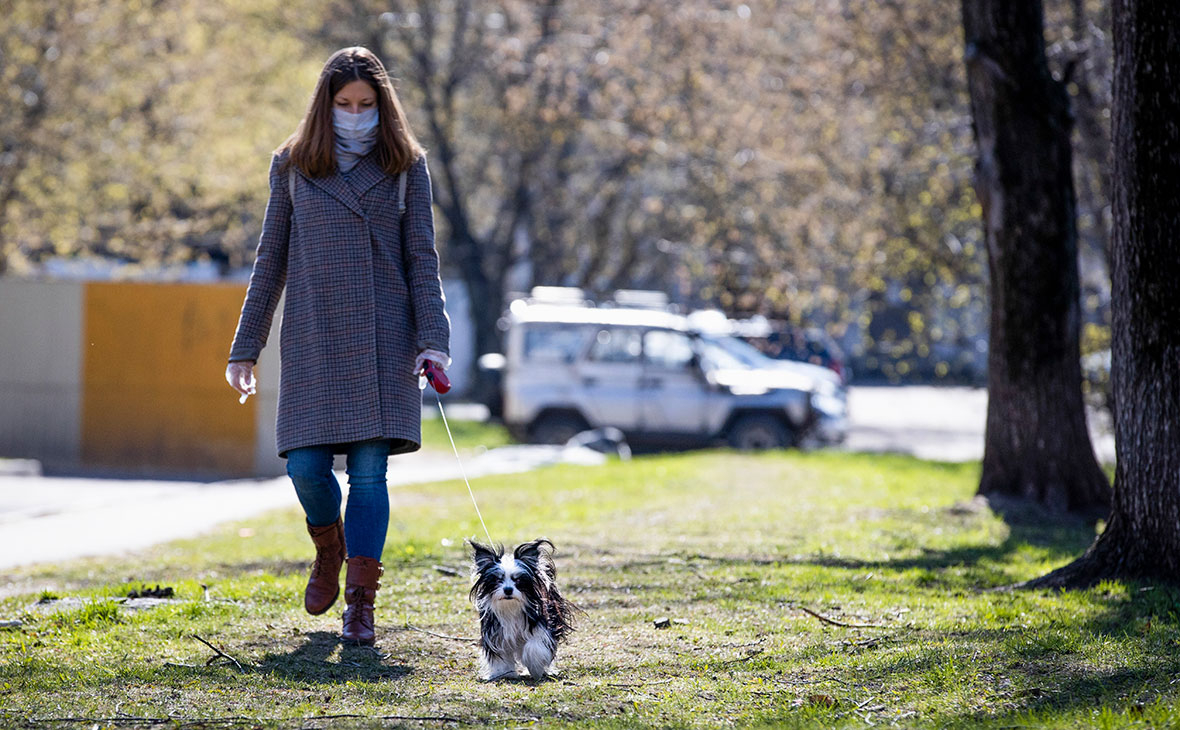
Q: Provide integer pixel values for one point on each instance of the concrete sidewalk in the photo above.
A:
(48, 519)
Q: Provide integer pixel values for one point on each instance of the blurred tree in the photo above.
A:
(804, 160)
(1142, 537)
(139, 126)
(1037, 447)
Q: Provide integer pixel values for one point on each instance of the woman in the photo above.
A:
(363, 314)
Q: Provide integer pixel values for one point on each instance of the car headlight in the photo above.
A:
(827, 403)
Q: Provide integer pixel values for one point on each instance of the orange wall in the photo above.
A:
(154, 396)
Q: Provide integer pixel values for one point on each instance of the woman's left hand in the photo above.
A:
(441, 359)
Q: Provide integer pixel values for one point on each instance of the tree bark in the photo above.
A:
(1037, 447)
(1142, 539)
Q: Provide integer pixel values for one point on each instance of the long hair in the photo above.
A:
(313, 144)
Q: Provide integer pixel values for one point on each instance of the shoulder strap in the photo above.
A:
(401, 193)
(291, 184)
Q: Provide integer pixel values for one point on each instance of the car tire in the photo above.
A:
(758, 432)
(556, 428)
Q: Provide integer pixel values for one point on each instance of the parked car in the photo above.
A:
(802, 344)
(646, 371)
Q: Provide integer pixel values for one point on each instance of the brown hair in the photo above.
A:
(313, 144)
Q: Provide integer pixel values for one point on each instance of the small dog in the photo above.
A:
(522, 615)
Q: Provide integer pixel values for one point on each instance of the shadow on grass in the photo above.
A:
(1057, 674)
(1057, 538)
(311, 662)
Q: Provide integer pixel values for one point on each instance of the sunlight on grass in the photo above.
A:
(891, 552)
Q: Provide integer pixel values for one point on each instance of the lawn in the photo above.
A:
(796, 590)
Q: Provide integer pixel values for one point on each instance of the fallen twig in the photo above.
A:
(420, 718)
(638, 684)
(104, 720)
(834, 622)
(220, 653)
(468, 639)
(749, 655)
(204, 721)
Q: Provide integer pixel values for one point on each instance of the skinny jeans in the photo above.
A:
(366, 517)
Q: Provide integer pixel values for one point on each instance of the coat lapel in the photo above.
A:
(338, 187)
(365, 175)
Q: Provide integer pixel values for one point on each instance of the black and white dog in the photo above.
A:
(522, 615)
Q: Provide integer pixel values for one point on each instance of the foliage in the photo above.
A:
(151, 128)
(806, 160)
(730, 548)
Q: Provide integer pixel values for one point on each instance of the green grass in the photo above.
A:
(731, 547)
(467, 434)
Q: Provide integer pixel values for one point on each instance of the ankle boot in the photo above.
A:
(324, 584)
(360, 591)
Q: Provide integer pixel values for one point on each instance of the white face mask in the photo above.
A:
(354, 126)
(356, 135)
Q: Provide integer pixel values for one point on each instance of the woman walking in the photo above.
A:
(349, 231)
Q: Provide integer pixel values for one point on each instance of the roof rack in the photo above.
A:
(640, 299)
(559, 295)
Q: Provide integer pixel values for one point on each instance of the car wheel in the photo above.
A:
(556, 428)
(758, 432)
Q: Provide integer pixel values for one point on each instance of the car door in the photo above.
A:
(674, 395)
(609, 378)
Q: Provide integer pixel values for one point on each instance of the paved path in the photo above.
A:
(47, 519)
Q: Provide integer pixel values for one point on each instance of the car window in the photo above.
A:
(617, 344)
(553, 342)
(745, 354)
(667, 349)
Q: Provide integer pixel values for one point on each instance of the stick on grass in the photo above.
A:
(834, 622)
(220, 653)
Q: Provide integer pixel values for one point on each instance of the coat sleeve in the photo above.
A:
(270, 271)
(420, 259)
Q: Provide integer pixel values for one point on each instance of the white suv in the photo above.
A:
(569, 367)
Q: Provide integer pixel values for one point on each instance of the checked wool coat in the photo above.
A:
(363, 299)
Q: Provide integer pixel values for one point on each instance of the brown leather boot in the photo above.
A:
(360, 591)
(324, 584)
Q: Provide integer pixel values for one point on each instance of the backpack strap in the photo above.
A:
(401, 193)
(291, 184)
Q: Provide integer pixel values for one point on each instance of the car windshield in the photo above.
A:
(720, 353)
(734, 352)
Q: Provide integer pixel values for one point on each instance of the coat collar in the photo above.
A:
(363, 176)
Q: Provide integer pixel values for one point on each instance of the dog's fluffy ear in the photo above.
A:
(483, 556)
(539, 552)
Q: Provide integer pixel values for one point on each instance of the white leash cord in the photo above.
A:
(461, 469)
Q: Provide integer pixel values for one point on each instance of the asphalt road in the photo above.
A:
(945, 424)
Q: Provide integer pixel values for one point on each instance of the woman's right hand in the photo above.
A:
(240, 376)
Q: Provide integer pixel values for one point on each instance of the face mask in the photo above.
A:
(354, 126)
(356, 134)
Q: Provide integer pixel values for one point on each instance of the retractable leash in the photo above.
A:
(441, 384)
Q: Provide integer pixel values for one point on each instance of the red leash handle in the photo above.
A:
(438, 379)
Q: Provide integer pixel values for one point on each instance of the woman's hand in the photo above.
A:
(240, 376)
(441, 359)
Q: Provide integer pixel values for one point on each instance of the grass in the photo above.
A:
(467, 434)
(730, 547)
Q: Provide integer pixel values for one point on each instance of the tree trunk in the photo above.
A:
(1037, 447)
(1142, 539)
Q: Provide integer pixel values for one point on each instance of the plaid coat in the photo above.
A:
(363, 299)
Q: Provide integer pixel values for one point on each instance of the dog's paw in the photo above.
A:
(506, 674)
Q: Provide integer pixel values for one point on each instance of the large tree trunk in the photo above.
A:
(1142, 539)
(1037, 446)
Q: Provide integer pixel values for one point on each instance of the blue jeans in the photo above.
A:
(366, 518)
